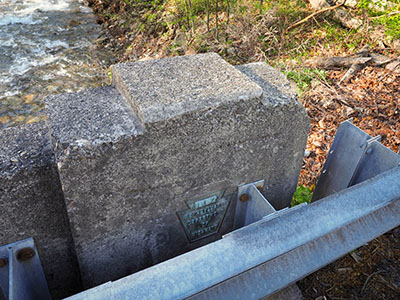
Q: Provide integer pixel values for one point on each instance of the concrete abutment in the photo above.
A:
(115, 166)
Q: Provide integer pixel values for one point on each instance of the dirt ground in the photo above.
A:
(371, 272)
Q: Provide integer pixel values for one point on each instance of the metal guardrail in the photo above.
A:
(359, 192)
(360, 187)
(260, 259)
(353, 158)
(21, 274)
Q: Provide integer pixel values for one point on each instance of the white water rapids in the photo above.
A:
(46, 46)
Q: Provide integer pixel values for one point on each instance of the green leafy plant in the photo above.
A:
(301, 195)
(392, 25)
(382, 14)
(304, 76)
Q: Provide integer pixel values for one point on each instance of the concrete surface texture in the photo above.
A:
(168, 131)
(32, 204)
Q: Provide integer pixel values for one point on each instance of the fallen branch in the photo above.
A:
(313, 15)
(355, 62)
(364, 52)
(379, 60)
(393, 65)
(354, 68)
(350, 72)
(336, 62)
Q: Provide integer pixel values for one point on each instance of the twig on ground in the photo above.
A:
(390, 285)
(314, 14)
(392, 13)
(216, 20)
(368, 278)
(356, 257)
(337, 62)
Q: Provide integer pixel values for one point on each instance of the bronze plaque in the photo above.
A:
(204, 216)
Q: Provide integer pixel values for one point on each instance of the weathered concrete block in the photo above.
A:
(186, 127)
(32, 204)
(288, 127)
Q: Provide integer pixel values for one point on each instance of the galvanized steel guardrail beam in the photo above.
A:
(353, 157)
(266, 256)
(269, 250)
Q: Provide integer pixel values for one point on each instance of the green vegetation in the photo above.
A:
(392, 25)
(384, 13)
(302, 194)
(249, 30)
(303, 77)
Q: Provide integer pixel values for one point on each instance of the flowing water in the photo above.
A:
(46, 47)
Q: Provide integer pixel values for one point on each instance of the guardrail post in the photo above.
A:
(21, 274)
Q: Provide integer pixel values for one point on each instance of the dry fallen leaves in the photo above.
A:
(371, 98)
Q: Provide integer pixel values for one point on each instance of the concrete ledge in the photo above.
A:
(89, 118)
(32, 204)
(163, 89)
(276, 87)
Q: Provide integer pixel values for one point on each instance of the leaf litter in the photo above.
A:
(371, 97)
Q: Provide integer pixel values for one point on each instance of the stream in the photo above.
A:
(46, 47)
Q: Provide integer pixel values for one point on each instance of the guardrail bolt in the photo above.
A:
(3, 262)
(244, 197)
(25, 254)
